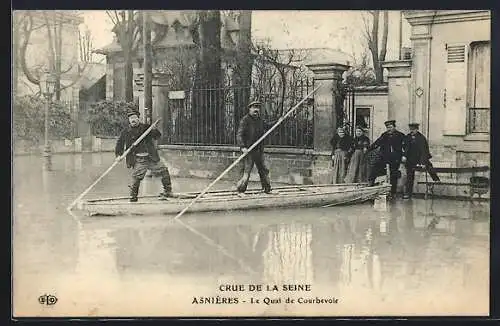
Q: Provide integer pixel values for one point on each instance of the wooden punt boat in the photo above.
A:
(281, 197)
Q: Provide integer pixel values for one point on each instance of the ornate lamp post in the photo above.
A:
(47, 85)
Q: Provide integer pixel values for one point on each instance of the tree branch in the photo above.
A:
(27, 29)
(50, 44)
(74, 81)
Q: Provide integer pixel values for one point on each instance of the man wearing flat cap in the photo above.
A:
(391, 148)
(250, 129)
(417, 155)
(143, 157)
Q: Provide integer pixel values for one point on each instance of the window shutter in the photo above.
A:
(455, 90)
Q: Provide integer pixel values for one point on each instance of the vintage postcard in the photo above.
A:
(251, 163)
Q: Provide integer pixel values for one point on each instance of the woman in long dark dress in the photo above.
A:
(341, 143)
(357, 171)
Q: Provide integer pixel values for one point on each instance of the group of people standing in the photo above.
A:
(354, 159)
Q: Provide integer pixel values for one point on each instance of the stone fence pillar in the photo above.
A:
(326, 100)
(399, 93)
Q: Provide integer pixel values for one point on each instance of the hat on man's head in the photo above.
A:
(132, 111)
(390, 123)
(413, 125)
(255, 103)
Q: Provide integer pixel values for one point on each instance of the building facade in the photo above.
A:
(450, 82)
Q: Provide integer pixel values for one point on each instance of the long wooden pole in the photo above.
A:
(114, 164)
(280, 120)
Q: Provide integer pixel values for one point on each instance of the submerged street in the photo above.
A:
(420, 257)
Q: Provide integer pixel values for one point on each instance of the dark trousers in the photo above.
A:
(394, 174)
(257, 158)
(142, 165)
(410, 175)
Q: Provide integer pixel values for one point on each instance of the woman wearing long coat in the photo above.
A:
(357, 171)
(341, 143)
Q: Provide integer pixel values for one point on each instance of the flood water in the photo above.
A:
(419, 257)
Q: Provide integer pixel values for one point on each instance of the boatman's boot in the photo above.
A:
(266, 184)
(134, 190)
(167, 186)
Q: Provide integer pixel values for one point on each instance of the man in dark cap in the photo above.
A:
(417, 155)
(143, 156)
(391, 150)
(250, 129)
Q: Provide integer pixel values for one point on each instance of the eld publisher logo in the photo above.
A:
(47, 299)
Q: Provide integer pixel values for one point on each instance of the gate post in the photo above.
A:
(327, 101)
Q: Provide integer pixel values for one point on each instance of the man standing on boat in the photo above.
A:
(250, 129)
(417, 155)
(392, 150)
(142, 157)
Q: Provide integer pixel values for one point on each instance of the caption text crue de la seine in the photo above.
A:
(270, 294)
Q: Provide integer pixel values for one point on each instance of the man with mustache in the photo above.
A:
(143, 156)
(250, 129)
(417, 155)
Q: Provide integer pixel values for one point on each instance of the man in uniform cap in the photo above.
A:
(251, 128)
(391, 150)
(417, 155)
(143, 156)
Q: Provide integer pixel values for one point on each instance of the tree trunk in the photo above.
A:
(383, 46)
(209, 100)
(147, 66)
(242, 75)
(127, 52)
(374, 46)
(15, 61)
(58, 26)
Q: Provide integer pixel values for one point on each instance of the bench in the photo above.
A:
(477, 184)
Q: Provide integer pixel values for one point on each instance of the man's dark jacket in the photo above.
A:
(250, 130)
(417, 149)
(130, 135)
(391, 146)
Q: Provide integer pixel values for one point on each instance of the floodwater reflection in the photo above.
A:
(417, 258)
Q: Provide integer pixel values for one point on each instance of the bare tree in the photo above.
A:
(86, 47)
(281, 61)
(208, 105)
(127, 28)
(371, 33)
(242, 76)
(54, 24)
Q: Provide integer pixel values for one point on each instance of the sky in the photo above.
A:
(291, 29)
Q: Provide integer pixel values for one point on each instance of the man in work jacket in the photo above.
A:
(391, 149)
(417, 155)
(250, 129)
(143, 156)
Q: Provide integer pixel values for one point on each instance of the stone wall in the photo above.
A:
(376, 99)
(286, 165)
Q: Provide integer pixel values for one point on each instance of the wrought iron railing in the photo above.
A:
(211, 117)
(479, 120)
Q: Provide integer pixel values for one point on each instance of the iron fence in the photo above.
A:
(479, 120)
(211, 116)
(347, 116)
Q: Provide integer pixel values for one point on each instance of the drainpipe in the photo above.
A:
(429, 70)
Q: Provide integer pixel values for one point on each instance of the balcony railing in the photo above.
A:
(479, 121)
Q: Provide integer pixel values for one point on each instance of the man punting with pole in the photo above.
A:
(250, 129)
(143, 156)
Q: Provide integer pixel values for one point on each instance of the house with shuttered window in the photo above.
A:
(449, 83)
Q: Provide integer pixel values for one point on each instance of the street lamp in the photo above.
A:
(47, 85)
